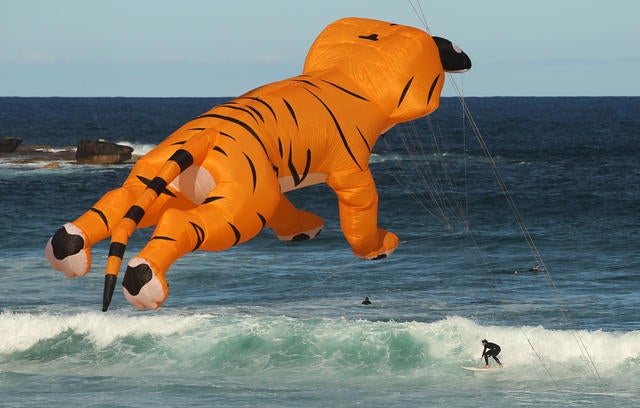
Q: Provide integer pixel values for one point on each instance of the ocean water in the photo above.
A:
(554, 181)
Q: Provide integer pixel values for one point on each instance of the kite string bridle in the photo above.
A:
(526, 235)
(463, 212)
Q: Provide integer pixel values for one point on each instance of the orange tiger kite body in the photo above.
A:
(222, 177)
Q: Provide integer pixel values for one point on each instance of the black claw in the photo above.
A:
(109, 286)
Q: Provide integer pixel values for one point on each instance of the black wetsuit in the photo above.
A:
(491, 350)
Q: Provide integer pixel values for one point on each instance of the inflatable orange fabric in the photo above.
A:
(221, 178)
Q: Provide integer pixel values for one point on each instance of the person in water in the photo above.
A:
(366, 301)
(490, 350)
(534, 268)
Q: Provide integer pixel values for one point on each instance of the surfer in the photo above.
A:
(366, 301)
(534, 268)
(490, 350)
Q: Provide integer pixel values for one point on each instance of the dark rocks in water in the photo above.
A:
(30, 154)
(41, 154)
(9, 144)
(101, 152)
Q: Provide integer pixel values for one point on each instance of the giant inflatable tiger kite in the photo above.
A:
(222, 177)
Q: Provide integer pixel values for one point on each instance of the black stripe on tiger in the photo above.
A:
(405, 90)
(253, 98)
(236, 232)
(292, 168)
(158, 185)
(162, 238)
(183, 158)
(433, 86)
(262, 219)
(199, 231)
(239, 123)
(101, 215)
(346, 90)
(240, 108)
(342, 136)
(370, 37)
(253, 171)
(219, 150)
(304, 81)
(148, 182)
(135, 213)
(211, 199)
(364, 139)
(257, 112)
(117, 249)
(227, 135)
(291, 111)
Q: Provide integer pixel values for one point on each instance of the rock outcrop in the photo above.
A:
(101, 152)
(9, 144)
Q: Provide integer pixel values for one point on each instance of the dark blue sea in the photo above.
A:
(476, 200)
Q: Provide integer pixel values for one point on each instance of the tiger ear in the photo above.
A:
(452, 57)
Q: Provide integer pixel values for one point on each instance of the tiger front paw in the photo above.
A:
(66, 251)
(389, 244)
(142, 286)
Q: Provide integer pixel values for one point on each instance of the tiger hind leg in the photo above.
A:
(292, 224)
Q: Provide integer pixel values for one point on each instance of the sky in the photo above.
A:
(205, 48)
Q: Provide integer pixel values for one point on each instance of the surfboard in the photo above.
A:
(479, 368)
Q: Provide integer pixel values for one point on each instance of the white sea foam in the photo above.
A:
(341, 344)
(139, 149)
